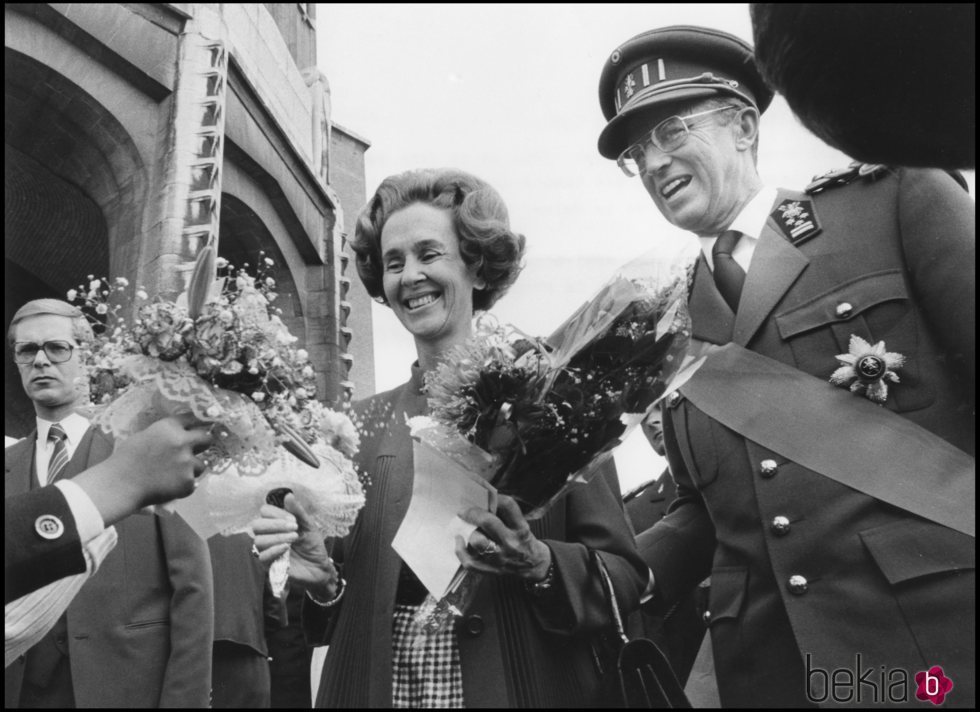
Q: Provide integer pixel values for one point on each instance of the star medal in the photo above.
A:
(867, 368)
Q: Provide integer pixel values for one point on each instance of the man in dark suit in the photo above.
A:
(240, 663)
(46, 529)
(836, 523)
(139, 632)
(679, 630)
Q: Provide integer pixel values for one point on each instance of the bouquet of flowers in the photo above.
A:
(221, 352)
(536, 417)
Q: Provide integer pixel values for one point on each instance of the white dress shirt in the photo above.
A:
(750, 222)
(75, 427)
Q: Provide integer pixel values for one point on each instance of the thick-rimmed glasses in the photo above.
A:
(669, 135)
(57, 351)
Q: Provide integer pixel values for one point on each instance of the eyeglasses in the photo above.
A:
(669, 135)
(57, 351)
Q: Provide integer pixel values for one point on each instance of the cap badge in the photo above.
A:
(628, 85)
(796, 220)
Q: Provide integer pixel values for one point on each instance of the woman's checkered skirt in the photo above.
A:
(425, 668)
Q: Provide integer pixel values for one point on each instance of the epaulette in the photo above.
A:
(842, 176)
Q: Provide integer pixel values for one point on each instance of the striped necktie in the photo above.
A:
(729, 275)
(59, 456)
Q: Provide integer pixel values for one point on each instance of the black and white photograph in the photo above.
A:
(367, 355)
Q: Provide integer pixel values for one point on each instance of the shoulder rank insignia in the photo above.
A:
(843, 176)
(796, 219)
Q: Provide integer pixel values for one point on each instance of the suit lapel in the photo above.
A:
(19, 465)
(711, 317)
(776, 264)
(80, 460)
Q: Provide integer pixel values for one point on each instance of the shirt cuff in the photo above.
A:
(88, 519)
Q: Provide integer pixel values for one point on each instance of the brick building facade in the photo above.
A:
(135, 132)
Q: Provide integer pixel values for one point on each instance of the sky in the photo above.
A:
(509, 93)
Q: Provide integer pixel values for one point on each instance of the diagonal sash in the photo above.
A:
(791, 412)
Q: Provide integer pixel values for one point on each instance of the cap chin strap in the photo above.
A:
(706, 80)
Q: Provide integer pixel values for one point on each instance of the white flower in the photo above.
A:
(269, 262)
(302, 355)
(101, 309)
(122, 282)
(258, 396)
(94, 285)
(301, 393)
(308, 372)
(72, 295)
(140, 294)
(221, 263)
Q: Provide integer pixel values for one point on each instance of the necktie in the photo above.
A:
(59, 457)
(729, 276)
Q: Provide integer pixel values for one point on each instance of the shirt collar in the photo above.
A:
(754, 215)
(750, 221)
(74, 425)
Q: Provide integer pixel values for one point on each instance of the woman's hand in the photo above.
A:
(280, 530)
(503, 543)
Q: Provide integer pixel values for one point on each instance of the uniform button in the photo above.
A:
(473, 626)
(844, 310)
(673, 399)
(797, 585)
(767, 468)
(779, 526)
(49, 526)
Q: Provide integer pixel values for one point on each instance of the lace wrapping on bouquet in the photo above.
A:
(331, 494)
(163, 388)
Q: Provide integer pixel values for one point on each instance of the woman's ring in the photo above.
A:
(255, 551)
(489, 550)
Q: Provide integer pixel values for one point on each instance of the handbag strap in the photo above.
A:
(610, 594)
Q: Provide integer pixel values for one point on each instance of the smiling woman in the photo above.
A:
(426, 282)
(435, 246)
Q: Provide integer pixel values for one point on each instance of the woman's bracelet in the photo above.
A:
(341, 587)
(543, 586)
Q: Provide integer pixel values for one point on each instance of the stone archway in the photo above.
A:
(73, 196)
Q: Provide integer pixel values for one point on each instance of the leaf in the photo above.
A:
(295, 445)
(203, 276)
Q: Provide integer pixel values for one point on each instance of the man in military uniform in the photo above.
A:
(824, 451)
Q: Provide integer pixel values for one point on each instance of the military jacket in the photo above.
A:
(808, 574)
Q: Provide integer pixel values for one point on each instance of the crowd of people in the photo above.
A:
(820, 516)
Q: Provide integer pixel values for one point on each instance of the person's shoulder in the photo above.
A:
(857, 175)
(377, 400)
(17, 449)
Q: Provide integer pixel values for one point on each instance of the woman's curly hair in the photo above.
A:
(479, 217)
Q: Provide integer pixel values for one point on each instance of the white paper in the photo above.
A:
(426, 539)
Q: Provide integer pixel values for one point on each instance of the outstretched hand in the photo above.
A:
(503, 543)
(155, 465)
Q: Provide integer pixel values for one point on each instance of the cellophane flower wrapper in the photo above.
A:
(537, 417)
